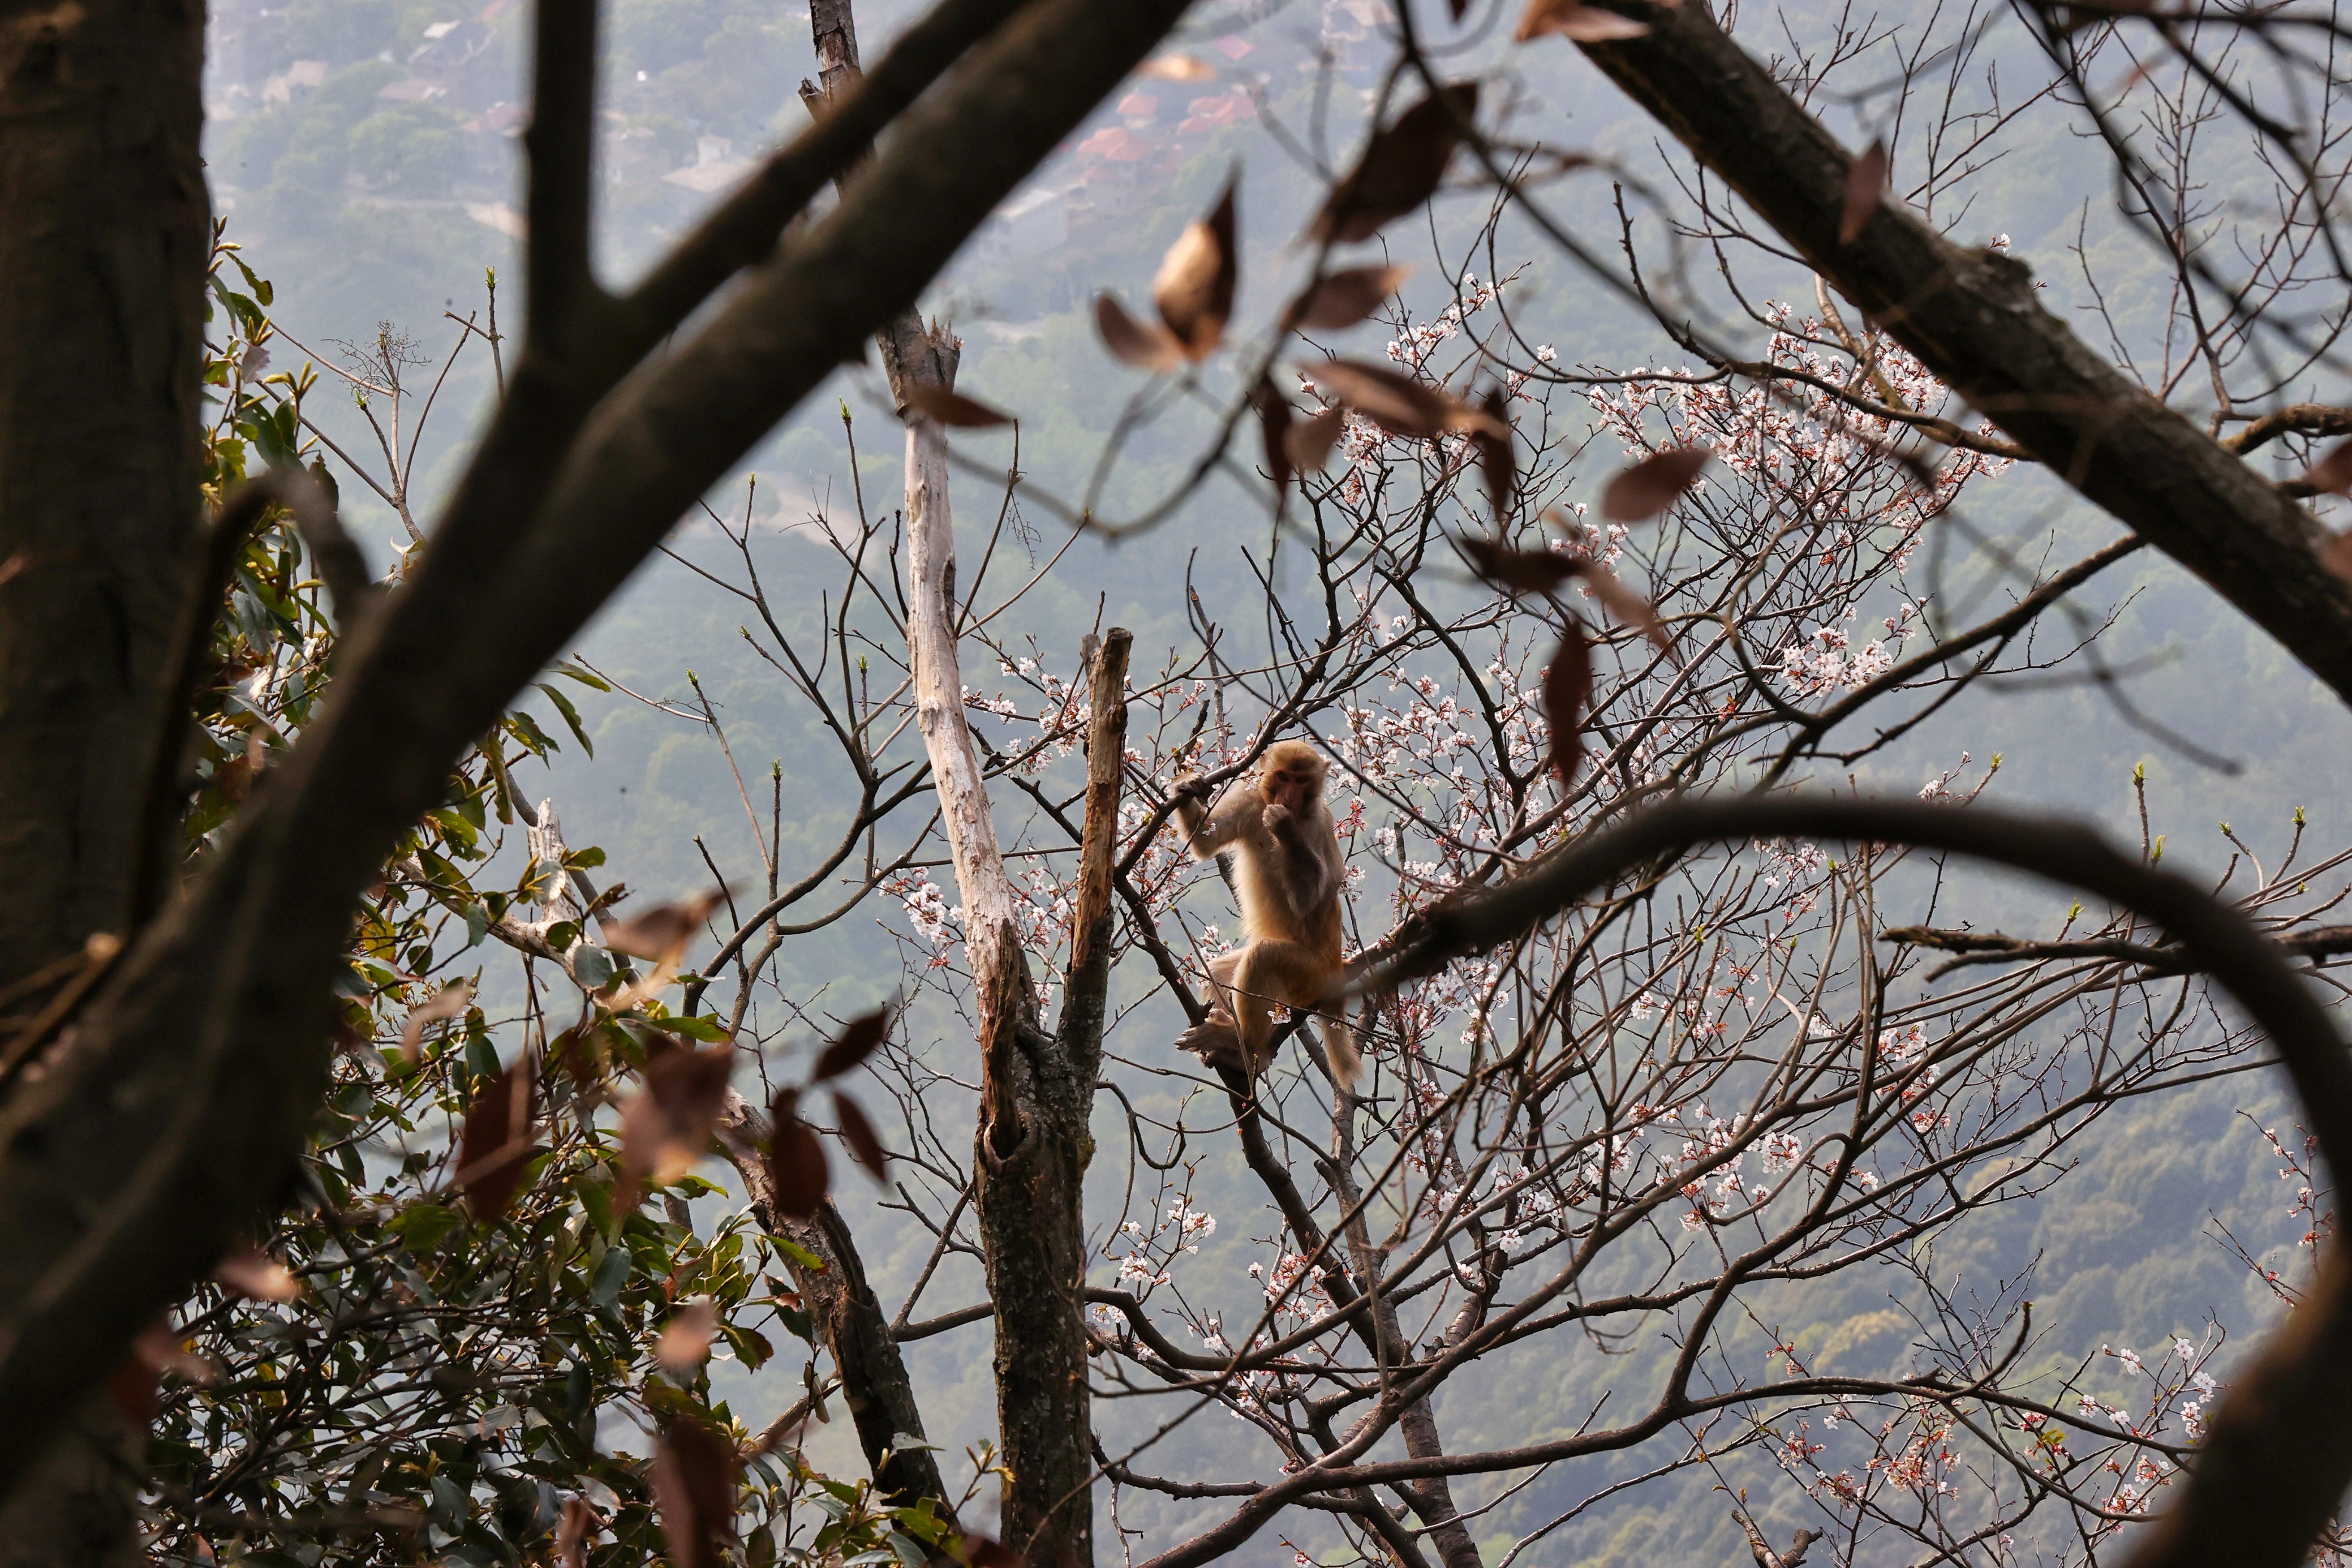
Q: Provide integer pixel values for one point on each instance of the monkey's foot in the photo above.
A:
(1215, 1043)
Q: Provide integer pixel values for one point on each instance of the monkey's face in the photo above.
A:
(1293, 788)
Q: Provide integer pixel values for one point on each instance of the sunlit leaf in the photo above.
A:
(257, 1276)
(572, 1533)
(448, 1003)
(1652, 485)
(1194, 289)
(953, 408)
(666, 1126)
(1865, 183)
(1344, 299)
(1576, 20)
(1145, 344)
(1402, 166)
(1177, 67)
(662, 933)
(685, 1341)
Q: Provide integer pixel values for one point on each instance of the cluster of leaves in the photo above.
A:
(471, 1336)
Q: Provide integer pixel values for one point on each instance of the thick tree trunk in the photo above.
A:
(128, 1169)
(103, 254)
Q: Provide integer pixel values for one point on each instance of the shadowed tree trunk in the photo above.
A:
(129, 1168)
(102, 250)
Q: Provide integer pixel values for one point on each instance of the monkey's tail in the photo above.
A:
(1341, 1055)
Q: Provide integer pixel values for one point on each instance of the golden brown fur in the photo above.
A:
(1287, 873)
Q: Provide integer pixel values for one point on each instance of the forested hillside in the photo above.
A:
(365, 156)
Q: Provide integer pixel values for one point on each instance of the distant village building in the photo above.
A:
(1351, 31)
(302, 77)
(1203, 115)
(1029, 226)
(714, 169)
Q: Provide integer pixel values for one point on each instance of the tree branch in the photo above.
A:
(1972, 317)
(2279, 1452)
(128, 1170)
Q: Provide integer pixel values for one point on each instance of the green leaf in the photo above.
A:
(613, 1273)
(701, 1027)
(797, 1253)
(586, 860)
(260, 285)
(571, 716)
(592, 967)
(422, 1226)
(563, 934)
(477, 924)
(574, 672)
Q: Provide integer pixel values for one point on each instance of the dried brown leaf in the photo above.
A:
(796, 1163)
(1343, 299)
(496, 1144)
(1194, 289)
(1147, 345)
(857, 1040)
(1865, 183)
(1566, 691)
(1575, 20)
(661, 934)
(1276, 420)
(2336, 555)
(1402, 167)
(1624, 603)
(666, 1126)
(980, 1551)
(954, 409)
(572, 1533)
(448, 1003)
(257, 1276)
(1495, 455)
(865, 1145)
(685, 1341)
(1520, 571)
(2332, 475)
(694, 1485)
(1650, 486)
(1177, 67)
(1308, 442)
(1395, 401)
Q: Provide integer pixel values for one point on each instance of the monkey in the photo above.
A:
(1286, 873)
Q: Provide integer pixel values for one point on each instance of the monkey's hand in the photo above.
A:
(1275, 814)
(1215, 1042)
